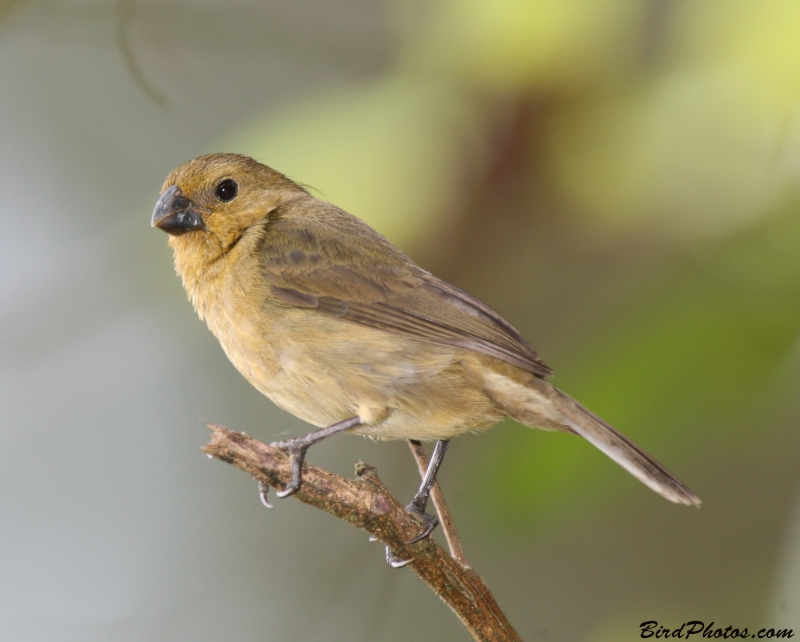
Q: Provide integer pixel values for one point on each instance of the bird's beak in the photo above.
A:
(175, 214)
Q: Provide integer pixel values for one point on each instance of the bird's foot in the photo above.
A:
(296, 449)
(429, 522)
(394, 561)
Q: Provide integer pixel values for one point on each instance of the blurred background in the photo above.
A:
(619, 179)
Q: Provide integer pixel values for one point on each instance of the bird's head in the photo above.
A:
(208, 203)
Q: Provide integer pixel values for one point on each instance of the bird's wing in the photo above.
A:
(340, 267)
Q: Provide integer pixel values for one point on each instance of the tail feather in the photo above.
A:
(623, 451)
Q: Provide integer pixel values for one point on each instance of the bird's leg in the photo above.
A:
(297, 450)
(420, 501)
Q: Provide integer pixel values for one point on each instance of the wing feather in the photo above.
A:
(340, 267)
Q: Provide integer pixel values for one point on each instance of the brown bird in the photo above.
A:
(336, 325)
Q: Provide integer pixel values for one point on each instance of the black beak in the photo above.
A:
(175, 214)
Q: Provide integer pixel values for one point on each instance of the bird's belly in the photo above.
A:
(401, 388)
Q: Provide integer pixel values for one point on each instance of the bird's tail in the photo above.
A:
(564, 413)
(622, 450)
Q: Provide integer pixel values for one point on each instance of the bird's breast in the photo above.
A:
(323, 370)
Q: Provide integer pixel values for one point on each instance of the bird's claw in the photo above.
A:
(263, 494)
(429, 522)
(290, 489)
(297, 454)
(297, 448)
(394, 561)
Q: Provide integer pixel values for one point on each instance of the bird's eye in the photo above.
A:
(226, 190)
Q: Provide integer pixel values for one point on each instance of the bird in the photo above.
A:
(336, 325)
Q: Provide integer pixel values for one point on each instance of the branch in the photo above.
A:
(366, 503)
(125, 11)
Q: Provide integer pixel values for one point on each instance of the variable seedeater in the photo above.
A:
(336, 325)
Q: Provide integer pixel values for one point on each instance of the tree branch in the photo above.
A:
(366, 503)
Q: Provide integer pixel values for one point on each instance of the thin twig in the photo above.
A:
(366, 503)
(125, 10)
(442, 509)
